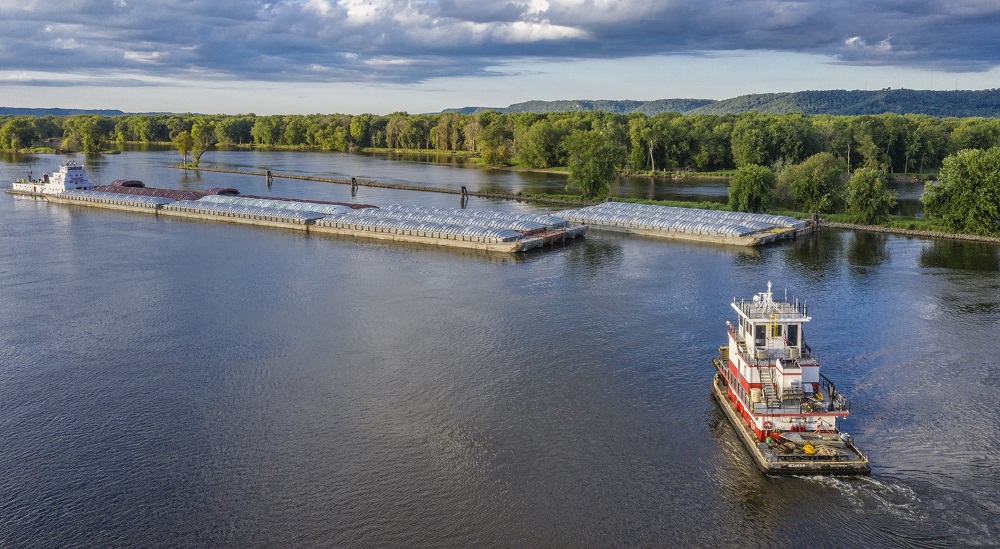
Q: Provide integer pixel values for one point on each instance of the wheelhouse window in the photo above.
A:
(792, 335)
(759, 335)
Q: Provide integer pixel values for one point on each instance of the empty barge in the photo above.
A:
(716, 226)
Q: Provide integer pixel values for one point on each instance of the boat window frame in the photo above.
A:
(792, 335)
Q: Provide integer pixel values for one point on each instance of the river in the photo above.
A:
(165, 382)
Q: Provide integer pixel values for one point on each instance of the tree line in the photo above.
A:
(815, 163)
(650, 144)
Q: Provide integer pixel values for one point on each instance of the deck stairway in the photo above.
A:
(771, 399)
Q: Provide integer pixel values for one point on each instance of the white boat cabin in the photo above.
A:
(769, 333)
(773, 379)
(70, 177)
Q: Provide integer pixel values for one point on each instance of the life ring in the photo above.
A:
(768, 426)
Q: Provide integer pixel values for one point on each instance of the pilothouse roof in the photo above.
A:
(764, 308)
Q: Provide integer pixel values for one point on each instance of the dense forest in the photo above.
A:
(810, 157)
(665, 142)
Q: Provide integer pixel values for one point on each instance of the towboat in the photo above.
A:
(69, 177)
(769, 385)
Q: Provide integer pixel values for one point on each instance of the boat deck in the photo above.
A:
(791, 406)
(773, 459)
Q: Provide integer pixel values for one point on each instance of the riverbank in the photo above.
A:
(910, 232)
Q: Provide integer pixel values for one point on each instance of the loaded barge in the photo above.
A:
(715, 226)
(770, 388)
(461, 228)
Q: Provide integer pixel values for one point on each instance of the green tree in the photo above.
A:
(267, 130)
(925, 141)
(711, 137)
(868, 198)
(539, 146)
(202, 137)
(496, 143)
(183, 142)
(471, 131)
(750, 142)
(46, 127)
(234, 130)
(817, 183)
(750, 189)
(396, 130)
(967, 195)
(294, 133)
(359, 130)
(976, 133)
(341, 140)
(644, 139)
(870, 133)
(792, 137)
(593, 161)
(85, 130)
(16, 134)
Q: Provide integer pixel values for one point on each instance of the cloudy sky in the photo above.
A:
(379, 56)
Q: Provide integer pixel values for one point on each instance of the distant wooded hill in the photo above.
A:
(57, 112)
(959, 103)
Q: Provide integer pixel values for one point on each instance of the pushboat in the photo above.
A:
(70, 177)
(769, 385)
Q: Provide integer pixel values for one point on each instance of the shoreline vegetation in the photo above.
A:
(904, 226)
(836, 166)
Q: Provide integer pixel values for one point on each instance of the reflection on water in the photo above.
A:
(818, 254)
(958, 254)
(595, 259)
(696, 189)
(867, 249)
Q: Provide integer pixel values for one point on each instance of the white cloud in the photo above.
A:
(144, 56)
(353, 39)
(522, 32)
(858, 44)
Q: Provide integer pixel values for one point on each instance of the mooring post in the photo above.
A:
(269, 179)
(464, 197)
(354, 186)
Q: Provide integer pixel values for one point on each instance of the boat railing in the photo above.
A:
(837, 400)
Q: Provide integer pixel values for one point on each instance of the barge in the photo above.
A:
(460, 228)
(770, 388)
(693, 224)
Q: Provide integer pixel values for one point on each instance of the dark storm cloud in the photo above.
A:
(408, 41)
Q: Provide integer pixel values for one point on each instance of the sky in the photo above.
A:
(382, 56)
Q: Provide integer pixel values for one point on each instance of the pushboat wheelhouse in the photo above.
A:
(771, 388)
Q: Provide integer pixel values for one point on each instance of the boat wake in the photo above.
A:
(867, 492)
